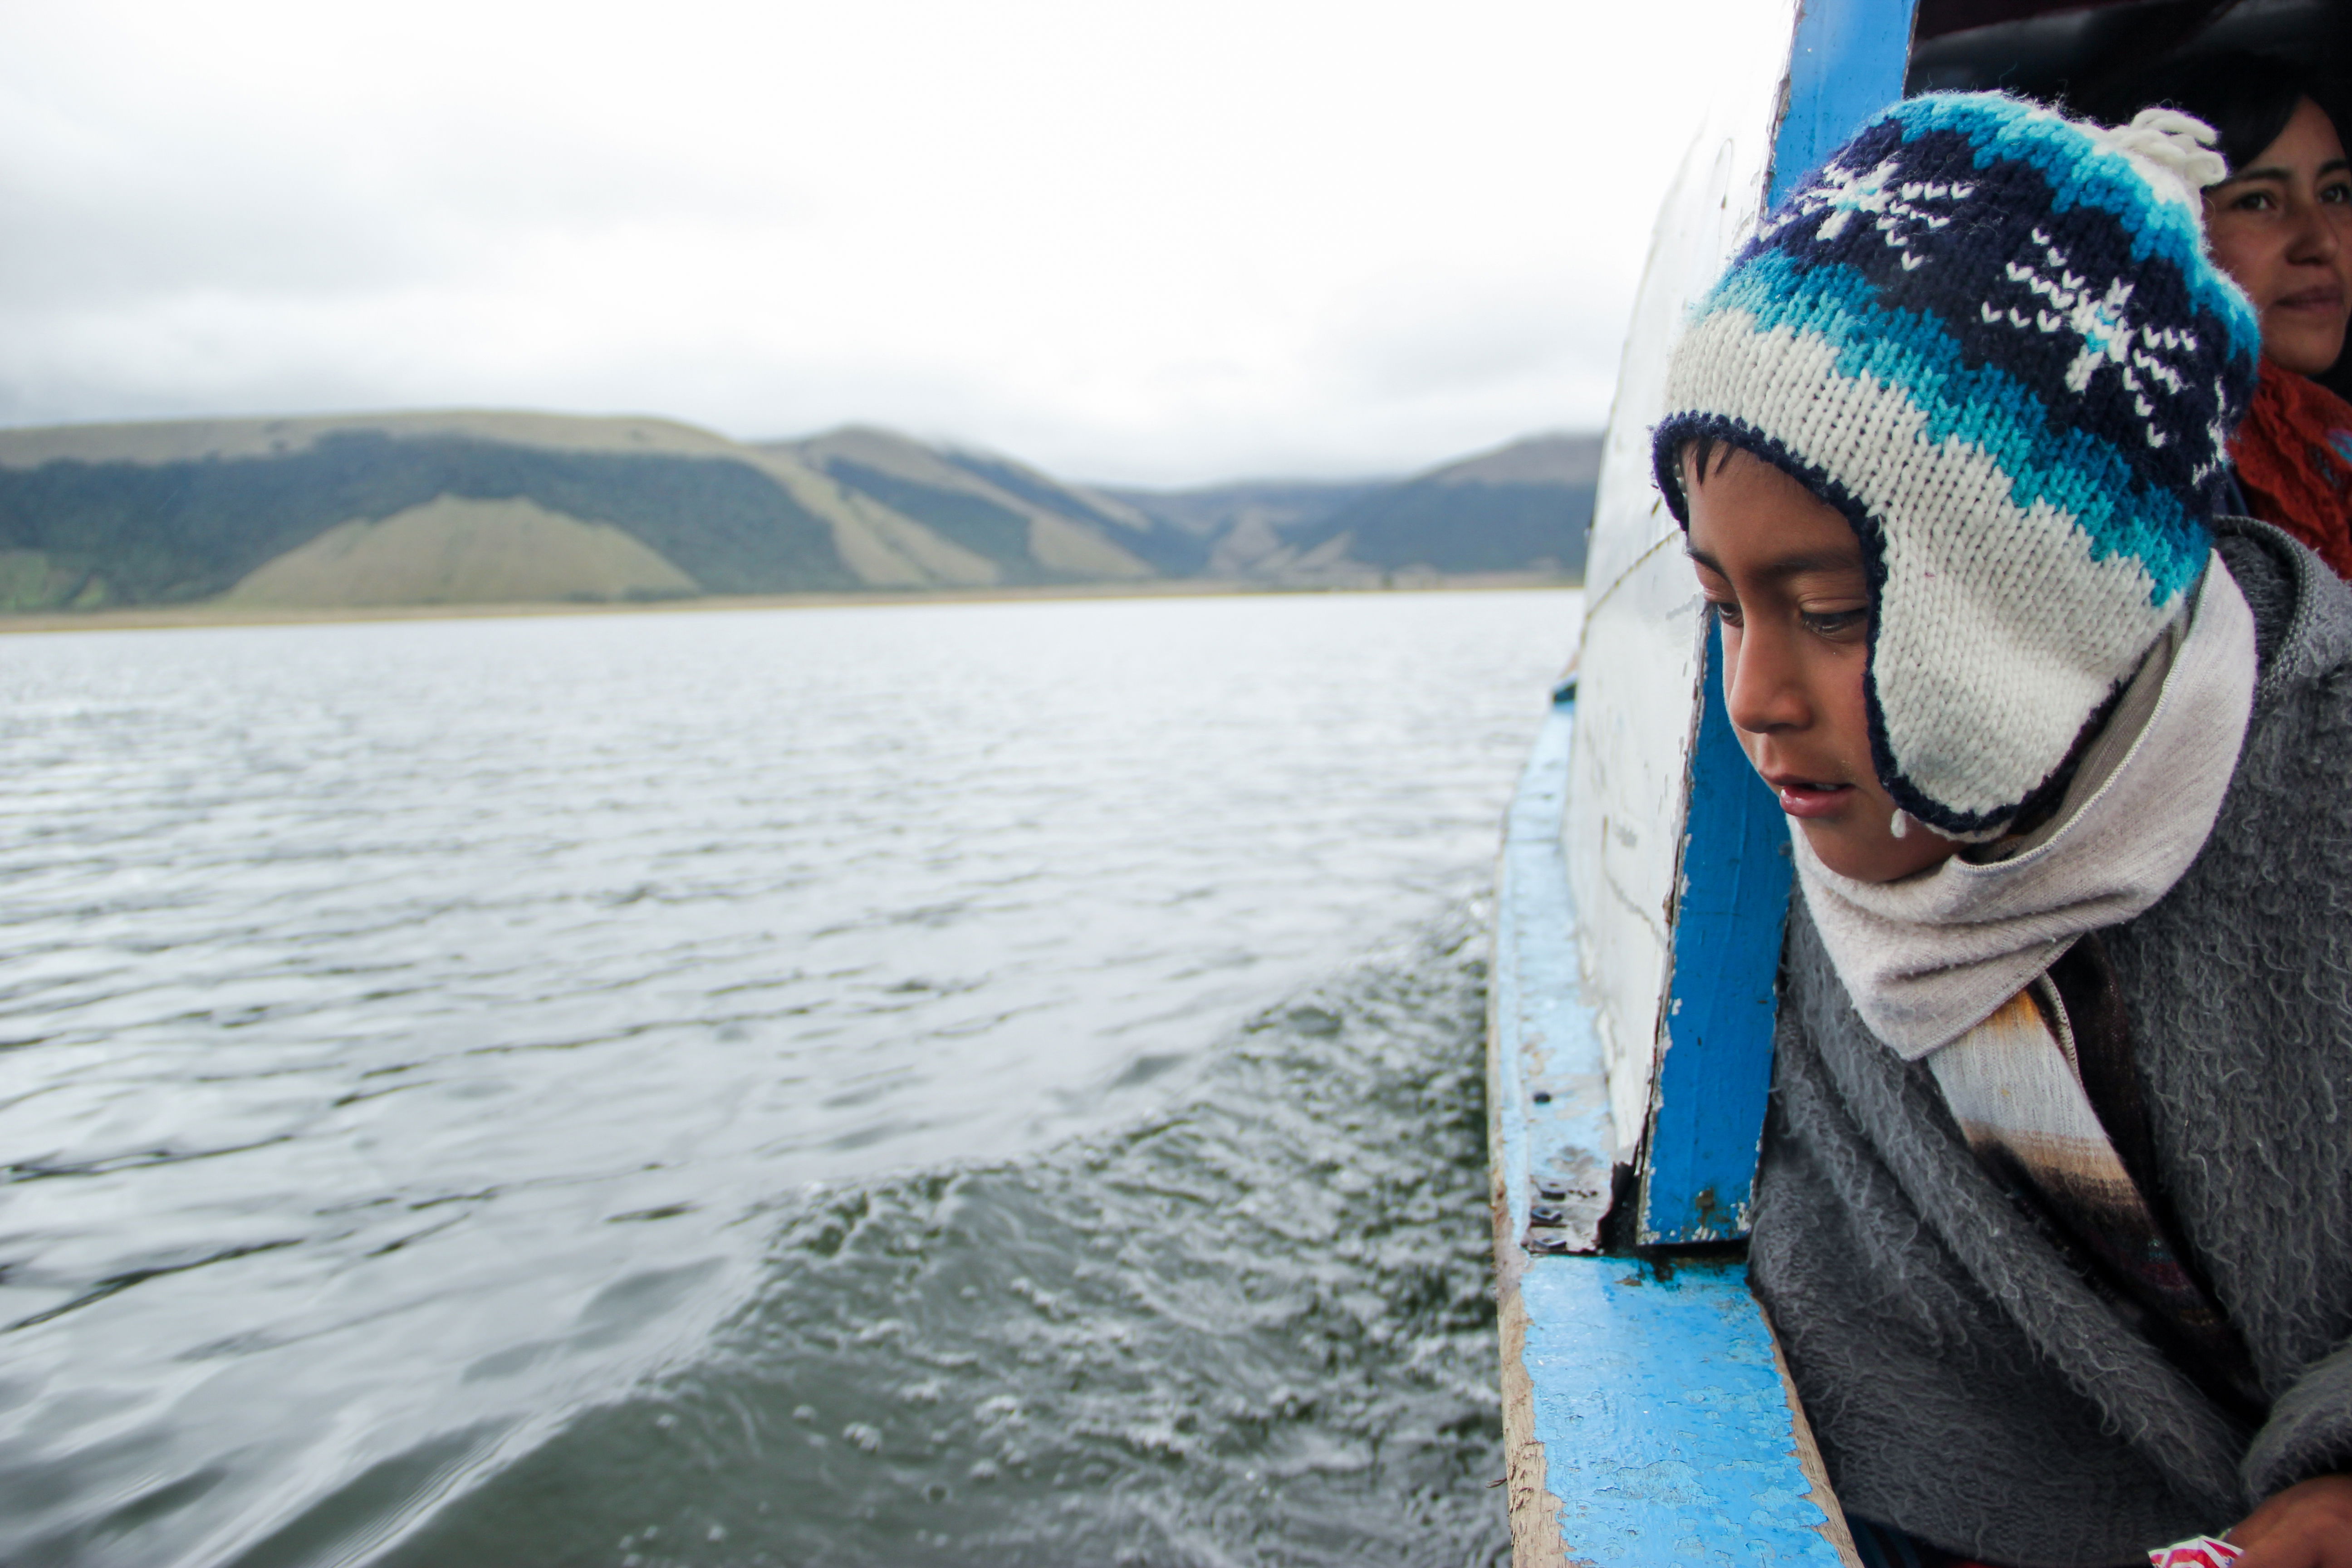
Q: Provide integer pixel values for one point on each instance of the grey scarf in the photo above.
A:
(1928, 958)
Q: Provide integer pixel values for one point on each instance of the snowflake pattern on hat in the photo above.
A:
(1896, 209)
(1991, 337)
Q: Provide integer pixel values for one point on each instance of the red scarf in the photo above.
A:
(2293, 455)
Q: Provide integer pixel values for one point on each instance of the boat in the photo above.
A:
(1644, 877)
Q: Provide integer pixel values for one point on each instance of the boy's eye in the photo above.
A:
(1725, 610)
(2336, 191)
(1835, 623)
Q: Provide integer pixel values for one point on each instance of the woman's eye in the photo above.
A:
(2340, 192)
(1726, 611)
(2252, 202)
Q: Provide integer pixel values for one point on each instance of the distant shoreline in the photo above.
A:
(166, 617)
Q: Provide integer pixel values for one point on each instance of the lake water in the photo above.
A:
(991, 1084)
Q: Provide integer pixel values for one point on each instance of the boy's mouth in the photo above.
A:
(1804, 797)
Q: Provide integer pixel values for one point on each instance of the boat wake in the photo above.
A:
(1256, 1328)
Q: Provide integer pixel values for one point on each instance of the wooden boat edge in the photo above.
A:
(1633, 1384)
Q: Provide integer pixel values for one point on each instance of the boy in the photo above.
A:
(2055, 1209)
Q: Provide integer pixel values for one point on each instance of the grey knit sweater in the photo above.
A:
(1965, 1383)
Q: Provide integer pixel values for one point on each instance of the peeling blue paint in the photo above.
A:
(1707, 1111)
(1667, 1433)
(1546, 1040)
(1666, 1430)
(1846, 62)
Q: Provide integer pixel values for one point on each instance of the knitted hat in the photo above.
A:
(1989, 336)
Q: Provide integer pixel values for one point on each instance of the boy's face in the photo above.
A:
(1784, 573)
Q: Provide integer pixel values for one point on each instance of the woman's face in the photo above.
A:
(1784, 573)
(2282, 227)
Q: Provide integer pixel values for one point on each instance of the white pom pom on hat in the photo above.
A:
(2173, 153)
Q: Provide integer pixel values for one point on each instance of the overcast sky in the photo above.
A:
(1157, 244)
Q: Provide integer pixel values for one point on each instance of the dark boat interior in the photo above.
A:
(2080, 53)
(2087, 57)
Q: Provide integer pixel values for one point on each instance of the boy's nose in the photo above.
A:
(1761, 691)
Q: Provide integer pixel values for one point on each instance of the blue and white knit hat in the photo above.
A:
(1991, 337)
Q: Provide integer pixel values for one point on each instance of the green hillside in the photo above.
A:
(1525, 506)
(492, 507)
(1244, 530)
(1035, 531)
(1212, 511)
(126, 532)
(1175, 550)
(457, 551)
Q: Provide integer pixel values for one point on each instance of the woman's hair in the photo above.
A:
(2248, 98)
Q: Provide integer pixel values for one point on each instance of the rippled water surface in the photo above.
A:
(982, 1083)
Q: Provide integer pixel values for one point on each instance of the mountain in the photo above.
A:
(453, 550)
(493, 507)
(1175, 550)
(1033, 527)
(183, 511)
(1240, 527)
(1522, 507)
